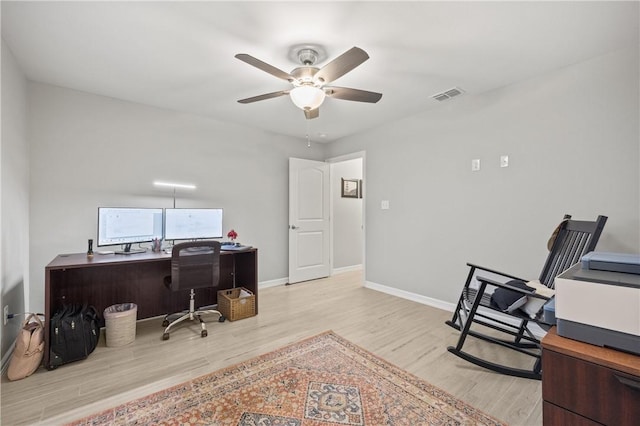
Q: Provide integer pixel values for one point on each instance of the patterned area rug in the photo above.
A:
(321, 381)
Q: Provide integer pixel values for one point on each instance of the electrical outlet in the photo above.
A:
(6, 314)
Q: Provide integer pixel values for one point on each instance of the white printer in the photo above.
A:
(598, 304)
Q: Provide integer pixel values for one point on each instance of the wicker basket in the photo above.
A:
(235, 307)
(120, 324)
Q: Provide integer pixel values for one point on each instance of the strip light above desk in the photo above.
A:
(175, 185)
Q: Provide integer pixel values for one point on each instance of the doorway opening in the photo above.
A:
(347, 227)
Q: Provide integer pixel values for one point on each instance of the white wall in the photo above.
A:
(573, 141)
(14, 165)
(347, 216)
(572, 137)
(90, 151)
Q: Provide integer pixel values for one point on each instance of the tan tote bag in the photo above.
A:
(28, 351)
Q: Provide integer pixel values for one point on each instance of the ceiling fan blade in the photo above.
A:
(265, 67)
(312, 113)
(348, 94)
(342, 65)
(263, 97)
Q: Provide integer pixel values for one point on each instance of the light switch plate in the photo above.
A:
(504, 161)
(475, 165)
(384, 205)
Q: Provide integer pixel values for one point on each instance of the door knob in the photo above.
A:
(293, 227)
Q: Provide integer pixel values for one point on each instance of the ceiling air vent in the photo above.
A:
(448, 94)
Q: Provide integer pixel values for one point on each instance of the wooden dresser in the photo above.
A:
(584, 384)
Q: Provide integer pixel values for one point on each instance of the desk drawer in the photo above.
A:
(553, 415)
(599, 393)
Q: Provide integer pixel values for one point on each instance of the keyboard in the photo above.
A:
(199, 249)
(235, 248)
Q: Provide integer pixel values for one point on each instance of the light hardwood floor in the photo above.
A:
(408, 334)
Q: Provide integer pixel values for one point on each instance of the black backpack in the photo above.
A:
(73, 335)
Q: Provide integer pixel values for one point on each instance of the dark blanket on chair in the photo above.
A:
(509, 300)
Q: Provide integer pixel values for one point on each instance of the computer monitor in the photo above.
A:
(192, 224)
(127, 225)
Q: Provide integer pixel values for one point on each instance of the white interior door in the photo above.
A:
(309, 245)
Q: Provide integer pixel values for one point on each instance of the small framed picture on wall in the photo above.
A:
(350, 188)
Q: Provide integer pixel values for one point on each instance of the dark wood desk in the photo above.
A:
(105, 280)
(588, 385)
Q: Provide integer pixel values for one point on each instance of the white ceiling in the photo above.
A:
(180, 55)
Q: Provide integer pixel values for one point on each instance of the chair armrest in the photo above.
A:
(493, 271)
(509, 287)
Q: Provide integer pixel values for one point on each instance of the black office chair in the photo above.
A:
(193, 265)
(572, 239)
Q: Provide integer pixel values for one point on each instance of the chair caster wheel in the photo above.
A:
(165, 336)
(165, 323)
(203, 333)
(222, 318)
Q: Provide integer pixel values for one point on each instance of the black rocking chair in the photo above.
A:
(573, 239)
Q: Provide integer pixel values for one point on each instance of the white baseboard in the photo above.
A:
(447, 306)
(7, 357)
(346, 269)
(429, 301)
(272, 283)
(283, 281)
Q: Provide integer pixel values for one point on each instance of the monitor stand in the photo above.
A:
(129, 250)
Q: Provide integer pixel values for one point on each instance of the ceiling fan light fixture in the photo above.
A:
(307, 97)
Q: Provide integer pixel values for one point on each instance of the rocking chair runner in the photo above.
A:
(573, 239)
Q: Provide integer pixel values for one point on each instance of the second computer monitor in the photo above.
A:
(192, 224)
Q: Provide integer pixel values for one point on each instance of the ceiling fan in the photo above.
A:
(310, 83)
